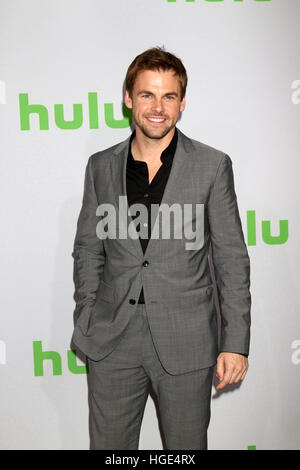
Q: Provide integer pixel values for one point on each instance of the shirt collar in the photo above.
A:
(166, 156)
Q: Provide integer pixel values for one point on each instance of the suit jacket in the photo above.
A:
(178, 289)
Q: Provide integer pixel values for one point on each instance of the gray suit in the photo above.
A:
(178, 289)
(108, 273)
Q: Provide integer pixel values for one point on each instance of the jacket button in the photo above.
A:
(146, 263)
(132, 301)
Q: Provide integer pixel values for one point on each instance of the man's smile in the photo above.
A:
(156, 120)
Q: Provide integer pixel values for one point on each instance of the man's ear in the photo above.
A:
(128, 100)
(182, 105)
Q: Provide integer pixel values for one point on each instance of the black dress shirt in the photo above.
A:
(140, 191)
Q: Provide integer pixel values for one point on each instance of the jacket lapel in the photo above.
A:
(118, 164)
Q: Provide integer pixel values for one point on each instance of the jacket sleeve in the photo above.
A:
(88, 251)
(231, 261)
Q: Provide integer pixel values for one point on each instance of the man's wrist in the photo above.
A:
(242, 354)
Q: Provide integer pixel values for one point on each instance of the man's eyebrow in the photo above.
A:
(146, 92)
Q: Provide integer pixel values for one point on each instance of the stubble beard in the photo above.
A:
(155, 134)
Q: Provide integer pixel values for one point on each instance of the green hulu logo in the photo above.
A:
(27, 109)
(39, 356)
(266, 231)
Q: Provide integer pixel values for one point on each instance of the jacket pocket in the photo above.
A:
(105, 292)
(188, 299)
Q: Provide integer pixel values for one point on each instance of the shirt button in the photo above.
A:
(146, 195)
(145, 224)
(132, 301)
(146, 263)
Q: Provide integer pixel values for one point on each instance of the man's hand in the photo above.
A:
(231, 368)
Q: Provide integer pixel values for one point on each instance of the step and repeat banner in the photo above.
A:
(62, 70)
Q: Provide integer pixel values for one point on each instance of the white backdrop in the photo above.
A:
(243, 98)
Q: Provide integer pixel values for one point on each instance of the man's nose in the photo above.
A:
(157, 105)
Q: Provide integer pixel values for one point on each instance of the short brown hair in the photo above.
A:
(156, 58)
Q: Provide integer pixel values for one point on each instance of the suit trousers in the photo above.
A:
(119, 386)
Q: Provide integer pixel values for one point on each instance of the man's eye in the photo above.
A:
(146, 96)
(170, 97)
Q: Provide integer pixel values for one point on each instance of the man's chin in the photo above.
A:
(156, 133)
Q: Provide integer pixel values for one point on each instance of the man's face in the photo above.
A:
(156, 103)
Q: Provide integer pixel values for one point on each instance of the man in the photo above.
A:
(145, 313)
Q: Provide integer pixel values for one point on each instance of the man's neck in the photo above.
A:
(149, 150)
